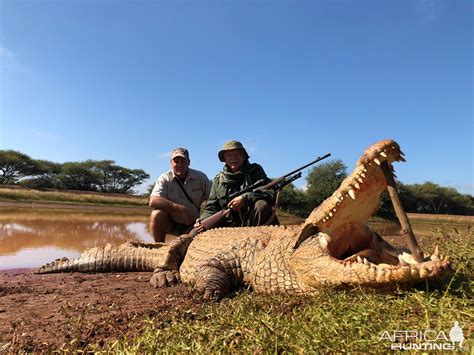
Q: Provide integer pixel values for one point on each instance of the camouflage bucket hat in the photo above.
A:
(230, 145)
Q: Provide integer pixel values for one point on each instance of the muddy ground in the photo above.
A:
(47, 312)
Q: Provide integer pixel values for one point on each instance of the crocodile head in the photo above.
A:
(336, 245)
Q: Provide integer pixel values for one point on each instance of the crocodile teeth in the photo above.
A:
(334, 210)
(330, 214)
(408, 258)
(352, 194)
(362, 174)
(323, 242)
(377, 161)
(366, 262)
(360, 179)
(356, 185)
(383, 154)
(359, 259)
(402, 262)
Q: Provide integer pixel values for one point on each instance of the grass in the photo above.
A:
(331, 321)
(20, 195)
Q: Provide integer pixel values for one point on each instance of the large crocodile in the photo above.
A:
(333, 247)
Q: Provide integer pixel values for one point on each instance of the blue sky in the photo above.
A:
(131, 80)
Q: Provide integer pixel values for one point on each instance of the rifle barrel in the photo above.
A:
(305, 166)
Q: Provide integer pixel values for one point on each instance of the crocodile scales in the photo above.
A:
(333, 247)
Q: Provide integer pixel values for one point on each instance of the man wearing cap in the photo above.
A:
(177, 196)
(250, 209)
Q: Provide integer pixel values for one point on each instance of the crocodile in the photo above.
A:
(333, 247)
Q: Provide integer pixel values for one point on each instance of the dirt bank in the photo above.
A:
(41, 312)
(75, 206)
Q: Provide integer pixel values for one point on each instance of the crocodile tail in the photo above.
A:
(129, 256)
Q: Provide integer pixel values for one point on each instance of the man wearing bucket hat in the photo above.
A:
(250, 209)
(177, 196)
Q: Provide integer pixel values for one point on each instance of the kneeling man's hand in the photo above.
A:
(236, 204)
(199, 227)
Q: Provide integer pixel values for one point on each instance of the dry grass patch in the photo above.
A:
(69, 197)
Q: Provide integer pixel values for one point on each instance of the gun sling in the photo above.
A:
(180, 184)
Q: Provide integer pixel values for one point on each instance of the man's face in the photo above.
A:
(234, 159)
(180, 166)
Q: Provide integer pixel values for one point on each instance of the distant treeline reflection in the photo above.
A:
(68, 231)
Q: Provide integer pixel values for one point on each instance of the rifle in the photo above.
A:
(276, 184)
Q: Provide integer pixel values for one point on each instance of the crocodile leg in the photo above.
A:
(212, 280)
(168, 274)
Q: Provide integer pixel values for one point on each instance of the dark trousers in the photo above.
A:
(260, 214)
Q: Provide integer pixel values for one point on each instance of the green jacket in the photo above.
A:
(222, 187)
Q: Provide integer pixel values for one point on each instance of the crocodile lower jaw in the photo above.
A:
(377, 267)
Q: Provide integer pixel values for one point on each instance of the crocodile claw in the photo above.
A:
(165, 278)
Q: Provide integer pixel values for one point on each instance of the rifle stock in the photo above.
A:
(215, 219)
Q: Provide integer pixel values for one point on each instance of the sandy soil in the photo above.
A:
(47, 312)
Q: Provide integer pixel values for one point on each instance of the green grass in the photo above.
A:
(330, 321)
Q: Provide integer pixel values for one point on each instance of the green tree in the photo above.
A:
(150, 188)
(323, 180)
(294, 201)
(115, 178)
(432, 198)
(465, 204)
(78, 176)
(15, 166)
(47, 175)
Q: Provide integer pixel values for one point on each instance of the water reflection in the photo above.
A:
(29, 238)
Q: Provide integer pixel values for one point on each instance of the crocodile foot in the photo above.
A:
(212, 281)
(165, 278)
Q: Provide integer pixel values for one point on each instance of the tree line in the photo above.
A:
(89, 175)
(322, 181)
(325, 178)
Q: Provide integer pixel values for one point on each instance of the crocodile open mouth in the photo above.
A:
(356, 200)
(343, 219)
(373, 258)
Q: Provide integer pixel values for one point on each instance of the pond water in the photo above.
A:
(30, 238)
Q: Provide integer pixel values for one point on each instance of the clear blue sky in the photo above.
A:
(131, 80)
